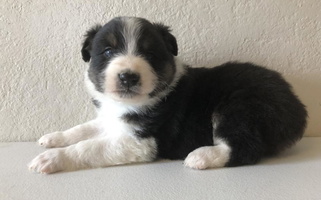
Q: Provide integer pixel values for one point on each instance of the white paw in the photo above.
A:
(48, 162)
(207, 157)
(196, 160)
(50, 140)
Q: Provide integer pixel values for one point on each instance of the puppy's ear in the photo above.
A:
(86, 46)
(169, 39)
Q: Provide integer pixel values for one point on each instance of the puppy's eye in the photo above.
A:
(151, 55)
(108, 51)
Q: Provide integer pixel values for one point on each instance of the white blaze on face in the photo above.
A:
(128, 60)
(131, 33)
(133, 64)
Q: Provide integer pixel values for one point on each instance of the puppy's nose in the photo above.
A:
(128, 79)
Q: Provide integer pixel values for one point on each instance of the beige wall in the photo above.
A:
(41, 71)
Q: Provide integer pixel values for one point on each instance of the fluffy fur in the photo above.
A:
(152, 106)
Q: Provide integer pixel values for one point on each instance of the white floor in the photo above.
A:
(296, 174)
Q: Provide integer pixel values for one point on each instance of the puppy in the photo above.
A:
(150, 105)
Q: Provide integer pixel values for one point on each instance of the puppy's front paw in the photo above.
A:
(50, 140)
(48, 162)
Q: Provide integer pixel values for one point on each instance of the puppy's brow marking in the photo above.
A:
(131, 33)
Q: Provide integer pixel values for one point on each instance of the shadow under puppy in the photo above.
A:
(150, 105)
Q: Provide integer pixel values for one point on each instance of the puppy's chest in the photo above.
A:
(163, 119)
(117, 124)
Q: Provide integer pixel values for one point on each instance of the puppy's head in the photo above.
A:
(131, 59)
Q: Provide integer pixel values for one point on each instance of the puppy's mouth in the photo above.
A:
(127, 93)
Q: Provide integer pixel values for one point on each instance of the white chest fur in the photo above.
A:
(110, 119)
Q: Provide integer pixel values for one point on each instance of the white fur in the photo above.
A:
(107, 141)
(71, 136)
(99, 152)
(112, 143)
(130, 33)
(209, 156)
(135, 64)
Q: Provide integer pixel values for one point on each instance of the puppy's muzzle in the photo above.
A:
(128, 79)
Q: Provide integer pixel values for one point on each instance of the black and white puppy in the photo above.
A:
(151, 106)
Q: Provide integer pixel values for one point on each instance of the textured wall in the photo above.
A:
(41, 71)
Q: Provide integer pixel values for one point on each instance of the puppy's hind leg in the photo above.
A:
(241, 145)
(209, 156)
(71, 136)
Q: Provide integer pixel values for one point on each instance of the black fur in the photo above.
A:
(87, 45)
(171, 43)
(96, 103)
(256, 111)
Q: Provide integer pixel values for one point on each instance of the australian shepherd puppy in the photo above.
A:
(150, 105)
